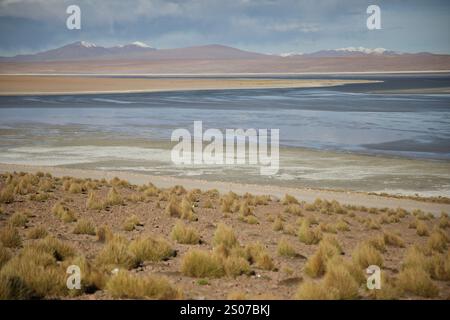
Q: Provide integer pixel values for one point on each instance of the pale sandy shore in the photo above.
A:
(308, 195)
(59, 85)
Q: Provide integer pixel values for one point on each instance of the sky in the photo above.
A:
(266, 26)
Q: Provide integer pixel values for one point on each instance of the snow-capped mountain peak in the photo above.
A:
(290, 54)
(140, 44)
(363, 50)
(87, 44)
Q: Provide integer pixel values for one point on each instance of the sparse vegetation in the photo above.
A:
(184, 234)
(285, 249)
(84, 226)
(126, 285)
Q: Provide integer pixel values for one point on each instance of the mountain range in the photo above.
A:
(138, 57)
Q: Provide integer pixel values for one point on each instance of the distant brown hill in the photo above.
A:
(84, 57)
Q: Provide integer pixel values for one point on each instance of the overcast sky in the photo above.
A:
(268, 26)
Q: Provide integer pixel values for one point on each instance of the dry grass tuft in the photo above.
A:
(37, 233)
(317, 263)
(63, 213)
(278, 224)
(340, 281)
(392, 239)
(314, 290)
(308, 235)
(84, 226)
(115, 254)
(104, 234)
(285, 249)
(18, 219)
(150, 249)
(224, 236)
(257, 254)
(131, 223)
(417, 281)
(129, 286)
(200, 264)
(93, 202)
(7, 194)
(113, 198)
(10, 237)
(365, 255)
(422, 229)
(288, 199)
(437, 242)
(75, 188)
(184, 234)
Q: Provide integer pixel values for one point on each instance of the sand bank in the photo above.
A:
(55, 85)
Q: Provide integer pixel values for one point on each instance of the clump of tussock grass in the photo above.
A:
(235, 266)
(5, 255)
(31, 274)
(37, 233)
(113, 198)
(227, 202)
(91, 280)
(327, 227)
(392, 239)
(418, 282)
(178, 190)
(45, 185)
(151, 191)
(316, 264)
(256, 254)
(278, 224)
(131, 223)
(224, 236)
(388, 290)
(93, 202)
(378, 242)
(115, 254)
(288, 199)
(437, 241)
(126, 285)
(184, 234)
(75, 188)
(63, 213)
(10, 237)
(104, 234)
(294, 209)
(136, 197)
(7, 194)
(285, 249)
(262, 200)
(314, 290)
(444, 221)
(308, 235)
(117, 182)
(35, 272)
(371, 224)
(18, 219)
(422, 229)
(187, 210)
(84, 226)
(245, 209)
(151, 249)
(365, 255)
(183, 211)
(342, 225)
(200, 264)
(339, 280)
